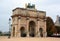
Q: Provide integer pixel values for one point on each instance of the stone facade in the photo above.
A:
(28, 23)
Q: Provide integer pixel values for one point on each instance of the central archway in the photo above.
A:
(32, 28)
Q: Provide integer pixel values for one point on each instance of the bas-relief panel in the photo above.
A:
(23, 21)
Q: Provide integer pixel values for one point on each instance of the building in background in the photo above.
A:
(28, 22)
(57, 23)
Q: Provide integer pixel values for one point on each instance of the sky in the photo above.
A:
(52, 8)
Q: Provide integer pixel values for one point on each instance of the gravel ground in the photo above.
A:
(30, 39)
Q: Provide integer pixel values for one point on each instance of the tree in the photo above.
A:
(50, 26)
(0, 33)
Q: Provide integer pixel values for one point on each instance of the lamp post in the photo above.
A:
(9, 27)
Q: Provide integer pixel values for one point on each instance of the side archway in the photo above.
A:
(13, 31)
(41, 32)
(32, 28)
(23, 32)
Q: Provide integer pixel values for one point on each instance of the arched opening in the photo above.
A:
(32, 28)
(23, 32)
(13, 31)
(41, 32)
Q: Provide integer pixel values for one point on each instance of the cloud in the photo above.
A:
(52, 8)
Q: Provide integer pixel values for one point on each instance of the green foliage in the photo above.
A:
(4, 34)
(50, 26)
(0, 32)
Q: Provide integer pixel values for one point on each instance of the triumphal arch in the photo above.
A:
(28, 22)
